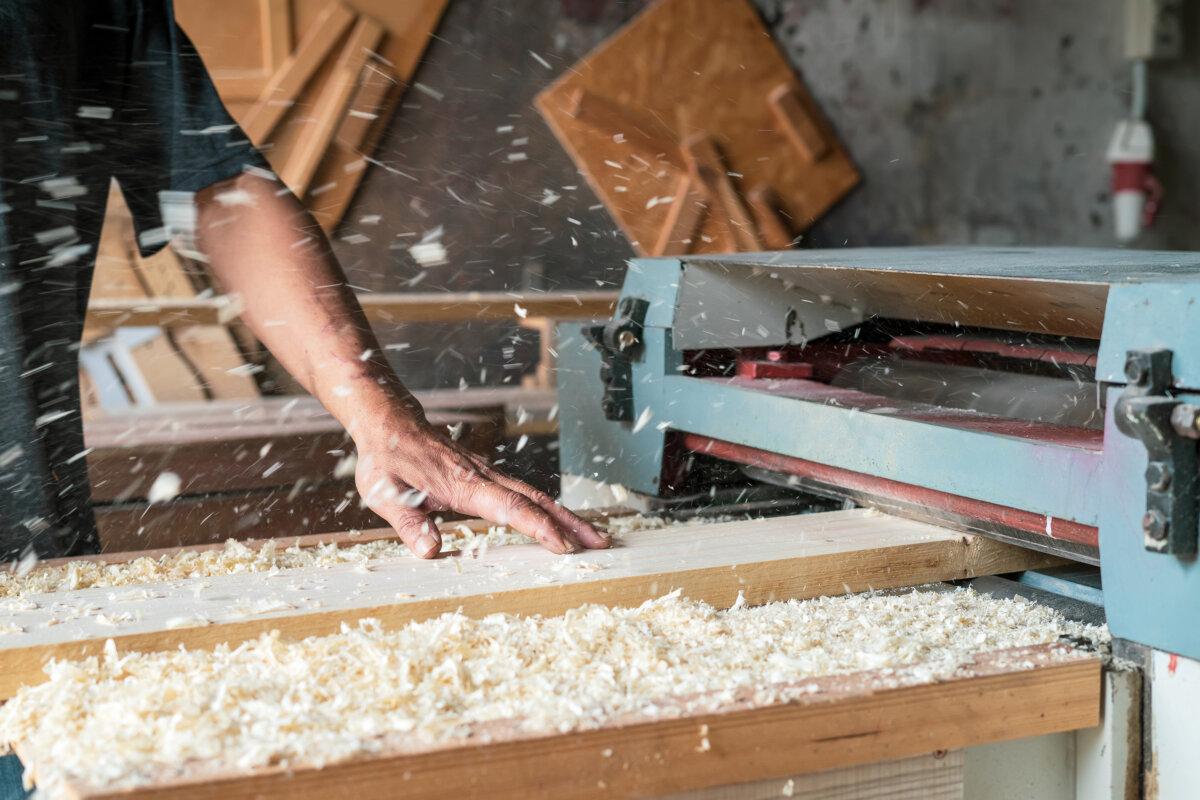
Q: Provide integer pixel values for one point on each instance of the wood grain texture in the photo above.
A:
(848, 720)
(773, 559)
(489, 306)
(693, 66)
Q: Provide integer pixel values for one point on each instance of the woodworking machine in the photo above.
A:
(1047, 397)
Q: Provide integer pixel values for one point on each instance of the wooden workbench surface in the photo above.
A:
(774, 559)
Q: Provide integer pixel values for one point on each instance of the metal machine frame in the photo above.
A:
(629, 397)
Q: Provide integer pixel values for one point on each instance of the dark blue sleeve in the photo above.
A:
(178, 136)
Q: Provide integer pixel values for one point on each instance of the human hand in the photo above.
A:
(408, 470)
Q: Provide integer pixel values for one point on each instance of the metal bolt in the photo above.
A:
(1154, 525)
(1135, 370)
(1185, 419)
(626, 339)
(1158, 476)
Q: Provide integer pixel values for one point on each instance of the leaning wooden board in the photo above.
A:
(846, 720)
(775, 559)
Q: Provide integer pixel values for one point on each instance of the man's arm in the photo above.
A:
(262, 244)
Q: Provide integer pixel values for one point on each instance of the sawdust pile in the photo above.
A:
(125, 718)
(236, 557)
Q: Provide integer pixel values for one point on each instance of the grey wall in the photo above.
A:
(972, 122)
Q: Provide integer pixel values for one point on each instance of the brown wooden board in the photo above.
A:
(693, 67)
(480, 306)
(791, 557)
(846, 720)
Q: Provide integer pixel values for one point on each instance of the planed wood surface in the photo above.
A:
(773, 559)
(847, 720)
(680, 68)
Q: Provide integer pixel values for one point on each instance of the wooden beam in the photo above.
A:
(708, 170)
(773, 559)
(645, 135)
(118, 312)
(300, 166)
(845, 720)
(682, 226)
(486, 306)
(297, 70)
(797, 124)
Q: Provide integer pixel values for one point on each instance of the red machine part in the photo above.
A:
(1017, 519)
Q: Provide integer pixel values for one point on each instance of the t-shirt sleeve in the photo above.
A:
(179, 138)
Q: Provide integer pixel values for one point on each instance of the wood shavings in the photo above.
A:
(271, 558)
(127, 719)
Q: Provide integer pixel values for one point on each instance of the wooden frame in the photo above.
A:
(846, 720)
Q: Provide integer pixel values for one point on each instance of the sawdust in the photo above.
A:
(128, 719)
(235, 557)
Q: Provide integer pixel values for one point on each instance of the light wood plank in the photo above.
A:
(166, 312)
(486, 306)
(294, 74)
(849, 720)
(774, 559)
(298, 170)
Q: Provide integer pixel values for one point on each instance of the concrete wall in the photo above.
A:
(973, 121)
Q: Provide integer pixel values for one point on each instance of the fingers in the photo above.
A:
(490, 500)
(401, 510)
(579, 531)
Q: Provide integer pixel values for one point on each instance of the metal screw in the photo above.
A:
(1135, 370)
(1154, 525)
(1158, 476)
(626, 339)
(1185, 419)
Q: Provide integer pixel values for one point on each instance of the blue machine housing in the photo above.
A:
(1126, 300)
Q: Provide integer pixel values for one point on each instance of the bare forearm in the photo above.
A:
(262, 244)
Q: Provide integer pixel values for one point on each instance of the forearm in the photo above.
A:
(263, 245)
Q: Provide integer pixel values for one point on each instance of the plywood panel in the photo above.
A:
(694, 68)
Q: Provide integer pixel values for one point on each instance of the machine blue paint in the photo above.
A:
(963, 341)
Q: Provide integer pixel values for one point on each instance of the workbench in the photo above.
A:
(840, 722)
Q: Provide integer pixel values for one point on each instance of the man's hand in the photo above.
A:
(262, 244)
(418, 471)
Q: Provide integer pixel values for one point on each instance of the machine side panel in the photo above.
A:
(1152, 315)
(1151, 598)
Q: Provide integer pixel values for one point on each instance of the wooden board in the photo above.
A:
(165, 312)
(486, 306)
(774, 559)
(123, 462)
(852, 719)
(694, 67)
(242, 42)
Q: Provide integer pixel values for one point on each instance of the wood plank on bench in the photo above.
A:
(766, 559)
